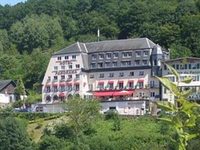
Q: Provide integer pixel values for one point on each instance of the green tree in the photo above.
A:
(13, 135)
(36, 32)
(81, 114)
(177, 51)
(183, 116)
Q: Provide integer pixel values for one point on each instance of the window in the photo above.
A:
(62, 88)
(110, 85)
(121, 85)
(55, 78)
(152, 94)
(130, 85)
(177, 66)
(63, 67)
(185, 66)
(198, 66)
(190, 66)
(93, 65)
(100, 65)
(111, 75)
(141, 85)
(77, 76)
(108, 64)
(70, 66)
(144, 62)
(73, 56)
(114, 64)
(137, 62)
(94, 57)
(55, 68)
(69, 87)
(101, 86)
(137, 53)
(126, 54)
(69, 76)
(151, 84)
(121, 74)
(108, 55)
(48, 89)
(77, 66)
(77, 87)
(126, 63)
(131, 73)
(165, 67)
(66, 57)
(55, 89)
(62, 77)
(101, 75)
(145, 53)
(91, 76)
(115, 55)
(101, 56)
(141, 73)
(59, 58)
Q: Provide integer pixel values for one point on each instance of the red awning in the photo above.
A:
(68, 84)
(62, 83)
(141, 80)
(62, 95)
(76, 83)
(130, 81)
(54, 84)
(120, 81)
(122, 93)
(100, 82)
(101, 94)
(110, 81)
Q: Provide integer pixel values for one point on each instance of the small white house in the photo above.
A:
(126, 107)
(7, 92)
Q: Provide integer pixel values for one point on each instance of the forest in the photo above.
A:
(31, 32)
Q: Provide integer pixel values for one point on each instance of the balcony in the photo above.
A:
(69, 79)
(62, 80)
(55, 80)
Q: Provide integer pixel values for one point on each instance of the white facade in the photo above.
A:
(64, 78)
(106, 70)
(125, 107)
(186, 67)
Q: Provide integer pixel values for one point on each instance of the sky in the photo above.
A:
(10, 2)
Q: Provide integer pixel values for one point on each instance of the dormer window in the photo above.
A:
(74, 57)
(108, 55)
(137, 53)
(94, 56)
(101, 56)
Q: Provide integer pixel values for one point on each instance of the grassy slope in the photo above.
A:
(35, 130)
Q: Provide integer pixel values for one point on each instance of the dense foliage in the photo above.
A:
(30, 32)
(183, 114)
(13, 135)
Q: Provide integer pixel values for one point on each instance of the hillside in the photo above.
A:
(30, 32)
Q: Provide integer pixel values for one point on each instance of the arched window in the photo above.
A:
(55, 97)
(48, 98)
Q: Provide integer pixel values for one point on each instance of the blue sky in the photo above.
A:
(10, 2)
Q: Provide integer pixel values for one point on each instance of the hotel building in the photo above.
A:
(186, 67)
(106, 70)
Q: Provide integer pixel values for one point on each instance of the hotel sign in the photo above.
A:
(63, 72)
(65, 62)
